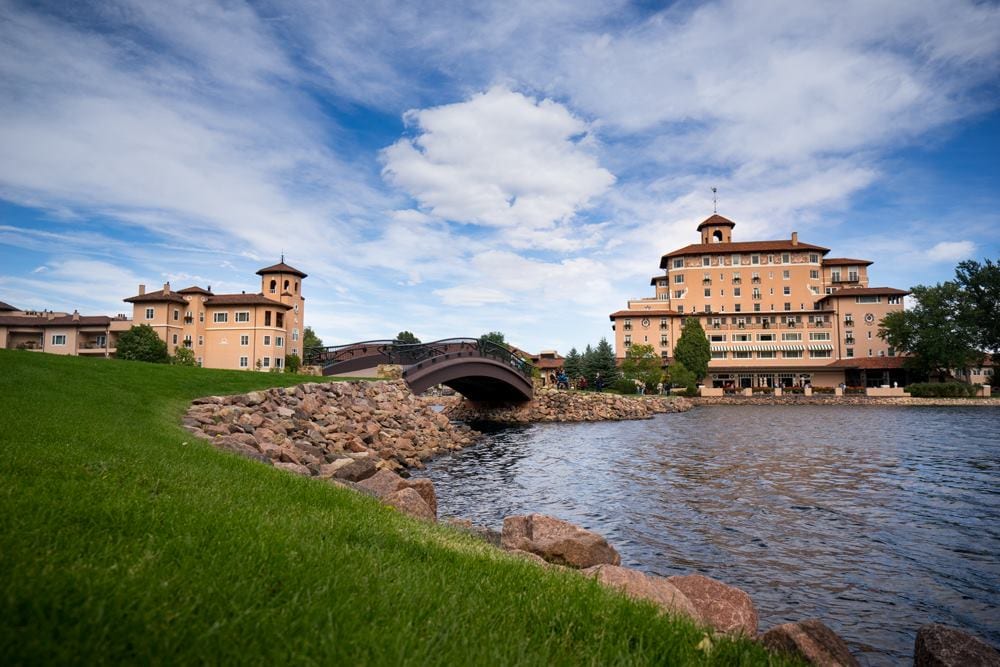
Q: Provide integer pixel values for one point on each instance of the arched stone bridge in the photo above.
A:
(479, 370)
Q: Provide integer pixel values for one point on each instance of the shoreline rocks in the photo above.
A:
(941, 646)
(554, 405)
(557, 541)
(810, 641)
(851, 399)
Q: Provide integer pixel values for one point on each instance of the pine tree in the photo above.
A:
(693, 349)
(601, 360)
(573, 364)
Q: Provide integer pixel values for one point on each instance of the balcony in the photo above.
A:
(848, 322)
(188, 319)
(736, 280)
(819, 325)
(848, 341)
(755, 281)
(706, 281)
(626, 327)
(664, 327)
(851, 278)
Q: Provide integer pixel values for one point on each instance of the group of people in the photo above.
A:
(561, 381)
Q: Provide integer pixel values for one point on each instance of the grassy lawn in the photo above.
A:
(123, 540)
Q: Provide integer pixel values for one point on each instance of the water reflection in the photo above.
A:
(876, 520)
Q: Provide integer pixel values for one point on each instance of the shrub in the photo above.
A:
(184, 357)
(623, 386)
(141, 343)
(942, 390)
(292, 363)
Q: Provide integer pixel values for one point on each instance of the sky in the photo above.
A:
(456, 168)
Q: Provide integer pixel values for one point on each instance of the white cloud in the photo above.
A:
(951, 251)
(500, 159)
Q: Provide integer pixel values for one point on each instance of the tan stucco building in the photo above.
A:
(776, 312)
(238, 331)
(59, 332)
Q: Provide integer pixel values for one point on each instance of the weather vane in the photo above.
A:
(715, 201)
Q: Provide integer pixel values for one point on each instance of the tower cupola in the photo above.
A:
(716, 229)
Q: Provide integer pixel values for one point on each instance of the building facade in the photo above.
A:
(60, 333)
(776, 313)
(237, 331)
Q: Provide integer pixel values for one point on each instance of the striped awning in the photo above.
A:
(764, 347)
(820, 346)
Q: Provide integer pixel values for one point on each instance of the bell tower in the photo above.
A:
(283, 283)
(716, 229)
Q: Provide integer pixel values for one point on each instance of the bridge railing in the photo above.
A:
(409, 354)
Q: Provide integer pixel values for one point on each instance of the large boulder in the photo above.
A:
(382, 483)
(356, 470)
(408, 501)
(810, 641)
(425, 488)
(641, 586)
(557, 541)
(940, 646)
(725, 608)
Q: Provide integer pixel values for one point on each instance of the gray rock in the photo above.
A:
(356, 470)
(940, 646)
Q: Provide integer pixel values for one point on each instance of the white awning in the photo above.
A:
(820, 346)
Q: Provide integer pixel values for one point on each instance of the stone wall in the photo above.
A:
(555, 405)
(344, 430)
(849, 399)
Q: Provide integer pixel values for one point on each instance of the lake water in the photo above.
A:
(874, 519)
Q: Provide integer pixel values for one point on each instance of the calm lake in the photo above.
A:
(874, 519)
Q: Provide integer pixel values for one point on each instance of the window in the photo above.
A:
(220, 318)
(739, 307)
(663, 323)
(679, 278)
(708, 292)
(792, 354)
(741, 338)
(199, 362)
(766, 338)
(59, 339)
(267, 340)
(791, 336)
(295, 334)
(766, 354)
(628, 341)
(892, 353)
(174, 339)
(869, 335)
(279, 341)
(850, 352)
(788, 306)
(755, 259)
(267, 318)
(737, 291)
(736, 260)
(244, 362)
(201, 316)
(242, 316)
(786, 274)
(150, 313)
(819, 335)
(244, 340)
(835, 275)
(177, 314)
(187, 341)
(678, 263)
(706, 261)
(717, 338)
(814, 258)
(895, 300)
(813, 274)
(786, 258)
(273, 287)
(742, 354)
(296, 308)
(201, 340)
(278, 361)
(868, 299)
(267, 362)
(680, 309)
(787, 291)
(679, 294)
(756, 308)
(718, 354)
(756, 293)
(286, 285)
(663, 341)
(279, 318)
(820, 354)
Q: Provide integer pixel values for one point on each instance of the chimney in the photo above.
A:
(166, 288)
(50, 315)
(795, 238)
(142, 290)
(76, 315)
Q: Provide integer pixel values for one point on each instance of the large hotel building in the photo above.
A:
(238, 331)
(776, 313)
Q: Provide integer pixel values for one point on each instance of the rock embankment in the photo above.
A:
(554, 405)
(331, 430)
(830, 399)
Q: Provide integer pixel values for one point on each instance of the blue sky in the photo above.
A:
(455, 168)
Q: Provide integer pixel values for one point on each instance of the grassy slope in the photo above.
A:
(124, 540)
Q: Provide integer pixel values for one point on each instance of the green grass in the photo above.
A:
(124, 540)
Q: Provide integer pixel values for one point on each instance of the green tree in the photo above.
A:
(641, 363)
(601, 361)
(495, 337)
(140, 343)
(679, 376)
(292, 363)
(573, 364)
(184, 356)
(310, 339)
(407, 338)
(980, 284)
(938, 333)
(692, 348)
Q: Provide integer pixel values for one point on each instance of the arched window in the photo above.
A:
(274, 285)
(296, 286)
(717, 236)
(286, 286)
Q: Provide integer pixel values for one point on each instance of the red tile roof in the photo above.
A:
(652, 281)
(865, 291)
(549, 363)
(281, 267)
(870, 363)
(194, 289)
(62, 321)
(156, 297)
(746, 246)
(716, 221)
(845, 261)
(6, 306)
(243, 300)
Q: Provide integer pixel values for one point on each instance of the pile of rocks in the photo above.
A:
(340, 430)
(722, 608)
(554, 405)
